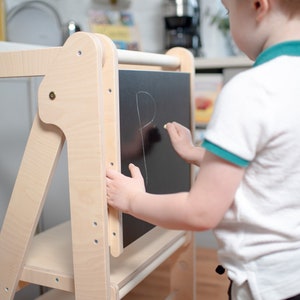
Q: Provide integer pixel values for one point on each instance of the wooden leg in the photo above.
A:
(42, 150)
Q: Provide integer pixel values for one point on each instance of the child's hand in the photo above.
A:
(121, 190)
(181, 139)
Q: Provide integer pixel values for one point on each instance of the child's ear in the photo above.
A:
(261, 7)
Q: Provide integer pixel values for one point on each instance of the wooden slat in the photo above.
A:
(50, 262)
(210, 285)
(110, 86)
(144, 256)
(27, 63)
(41, 153)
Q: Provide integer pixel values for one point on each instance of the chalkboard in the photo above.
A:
(148, 100)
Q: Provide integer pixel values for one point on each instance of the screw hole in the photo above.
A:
(79, 52)
(96, 242)
(111, 163)
(57, 279)
(95, 224)
(110, 90)
(6, 289)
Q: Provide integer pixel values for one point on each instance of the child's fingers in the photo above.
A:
(135, 171)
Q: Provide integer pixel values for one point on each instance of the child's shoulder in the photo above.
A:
(259, 76)
(243, 80)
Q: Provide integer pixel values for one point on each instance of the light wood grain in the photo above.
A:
(27, 63)
(50, 263)
(71, 106)
(26, 203)
(209, 285)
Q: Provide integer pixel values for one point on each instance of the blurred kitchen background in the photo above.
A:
(46, 22)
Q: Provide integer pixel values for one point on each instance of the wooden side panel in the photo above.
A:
(71, 98)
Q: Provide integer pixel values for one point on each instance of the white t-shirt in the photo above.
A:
(256, 125)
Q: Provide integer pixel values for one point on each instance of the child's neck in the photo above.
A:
(284, 31)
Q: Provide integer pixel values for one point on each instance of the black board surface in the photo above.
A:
(148, 100)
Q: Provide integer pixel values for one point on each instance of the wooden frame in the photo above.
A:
(74, 257)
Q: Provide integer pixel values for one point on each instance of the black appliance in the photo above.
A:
(182, 24)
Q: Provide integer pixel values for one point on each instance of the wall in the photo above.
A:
(214, 43)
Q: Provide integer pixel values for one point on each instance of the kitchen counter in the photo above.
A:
(223, 62)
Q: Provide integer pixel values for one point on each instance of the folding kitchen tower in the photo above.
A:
(83, 259)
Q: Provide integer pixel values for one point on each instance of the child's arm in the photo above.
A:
(182, 143)
(201, 208)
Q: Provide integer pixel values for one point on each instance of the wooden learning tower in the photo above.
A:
(78, 103)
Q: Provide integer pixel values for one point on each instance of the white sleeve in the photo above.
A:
(238, 122)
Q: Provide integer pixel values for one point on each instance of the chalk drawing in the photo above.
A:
(146, 118)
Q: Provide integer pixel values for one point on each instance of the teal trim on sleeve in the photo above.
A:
(225, 154)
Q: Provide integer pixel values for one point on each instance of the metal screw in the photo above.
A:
(52, 96)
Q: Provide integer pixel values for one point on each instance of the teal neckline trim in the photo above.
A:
(236, 160)
(290, 48)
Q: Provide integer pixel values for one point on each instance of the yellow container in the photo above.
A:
(2, 21)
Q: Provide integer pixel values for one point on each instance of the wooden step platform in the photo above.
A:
(50, 259)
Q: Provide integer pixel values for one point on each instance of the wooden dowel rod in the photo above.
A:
(34, 62)
(147, 59)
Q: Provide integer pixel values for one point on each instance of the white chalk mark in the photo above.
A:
(141, 126)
